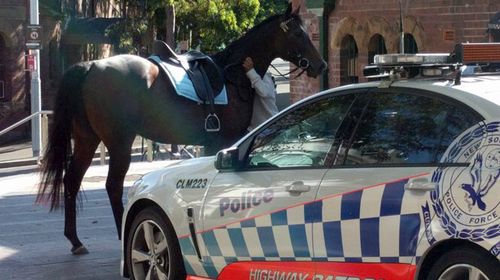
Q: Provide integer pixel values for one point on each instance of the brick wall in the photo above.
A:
(436, 25)
(304, 86)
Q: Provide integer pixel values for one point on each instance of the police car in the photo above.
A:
(397, 178)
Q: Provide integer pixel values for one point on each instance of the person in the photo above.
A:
(264, 103)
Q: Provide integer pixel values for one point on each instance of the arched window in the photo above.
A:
(376, 46)
(348, 57)
(410, 44)
(2, 67)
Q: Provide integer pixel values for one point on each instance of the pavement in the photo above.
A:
(21, 154)
(17, 154)
(19, 170)
(17, 160)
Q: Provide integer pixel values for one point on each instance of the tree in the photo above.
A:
(211, 25)
(208, 24)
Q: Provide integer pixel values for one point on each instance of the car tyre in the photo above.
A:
(465, 263)
(153, 250)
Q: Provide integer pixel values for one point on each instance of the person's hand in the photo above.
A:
(248, 64)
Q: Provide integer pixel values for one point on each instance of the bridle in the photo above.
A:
(303, 63)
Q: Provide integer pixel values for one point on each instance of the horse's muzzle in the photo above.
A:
(315, 70)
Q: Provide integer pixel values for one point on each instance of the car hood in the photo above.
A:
(187, 180)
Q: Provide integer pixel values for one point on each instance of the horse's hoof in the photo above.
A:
(81, 250)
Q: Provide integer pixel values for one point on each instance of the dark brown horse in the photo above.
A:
(114, 99)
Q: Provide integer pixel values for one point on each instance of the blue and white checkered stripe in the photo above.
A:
(354, 229)
(346, 228)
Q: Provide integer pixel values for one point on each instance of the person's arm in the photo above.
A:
(263, 87)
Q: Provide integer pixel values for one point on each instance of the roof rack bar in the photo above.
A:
(474, 53)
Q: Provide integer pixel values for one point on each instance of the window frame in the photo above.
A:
(248, 143)
(409, 91)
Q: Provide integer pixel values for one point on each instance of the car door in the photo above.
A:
(374, 195)
(258, 218)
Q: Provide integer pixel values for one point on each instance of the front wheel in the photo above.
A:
(465, 263)
(153, 250)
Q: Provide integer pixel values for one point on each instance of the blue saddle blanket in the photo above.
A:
(183, 85)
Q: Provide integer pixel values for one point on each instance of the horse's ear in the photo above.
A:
(296, 11)
(289, 9)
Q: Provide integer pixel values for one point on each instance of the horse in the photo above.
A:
(117, 98)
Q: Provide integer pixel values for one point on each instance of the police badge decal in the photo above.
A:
(466, 199)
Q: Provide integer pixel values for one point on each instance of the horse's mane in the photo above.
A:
(241, 44)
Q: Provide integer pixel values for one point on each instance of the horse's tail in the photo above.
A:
(58, 151)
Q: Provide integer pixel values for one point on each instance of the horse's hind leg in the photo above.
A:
(84, 149)
(119, 162)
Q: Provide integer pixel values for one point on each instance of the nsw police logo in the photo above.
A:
(467, 198)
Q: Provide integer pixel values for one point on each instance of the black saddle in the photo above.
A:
(205, 74)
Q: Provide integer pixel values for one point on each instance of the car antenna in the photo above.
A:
(401, 29)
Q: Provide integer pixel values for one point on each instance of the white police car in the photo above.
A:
(393, 179)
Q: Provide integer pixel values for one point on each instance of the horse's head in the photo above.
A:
(293, 44)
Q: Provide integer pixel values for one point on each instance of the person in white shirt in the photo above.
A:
(264, 102)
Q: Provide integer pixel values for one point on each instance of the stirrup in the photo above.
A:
(212, 123)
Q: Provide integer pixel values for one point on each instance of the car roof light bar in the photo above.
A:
(397, 66)
(486, 56)
(412, 59)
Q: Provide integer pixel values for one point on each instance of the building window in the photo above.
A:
(376, 46)
(410, 44)
(348, 59)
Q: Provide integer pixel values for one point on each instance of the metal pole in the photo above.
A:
(36, 100)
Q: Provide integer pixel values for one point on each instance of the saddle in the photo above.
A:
(204, 73)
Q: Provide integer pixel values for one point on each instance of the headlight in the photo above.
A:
(135, 187)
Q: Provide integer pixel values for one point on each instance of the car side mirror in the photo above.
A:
(227, 159)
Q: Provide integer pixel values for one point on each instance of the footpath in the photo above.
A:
(19, 170)
(18, 154)
(21, 154)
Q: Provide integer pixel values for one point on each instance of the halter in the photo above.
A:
(284, 24)
(303, 62)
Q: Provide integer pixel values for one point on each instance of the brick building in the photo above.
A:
(13, 79)
(59, 49)
(350, 33)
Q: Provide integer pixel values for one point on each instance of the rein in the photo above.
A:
(287, 75)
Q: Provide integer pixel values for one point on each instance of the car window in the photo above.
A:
(301, 138)
(404, 128)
